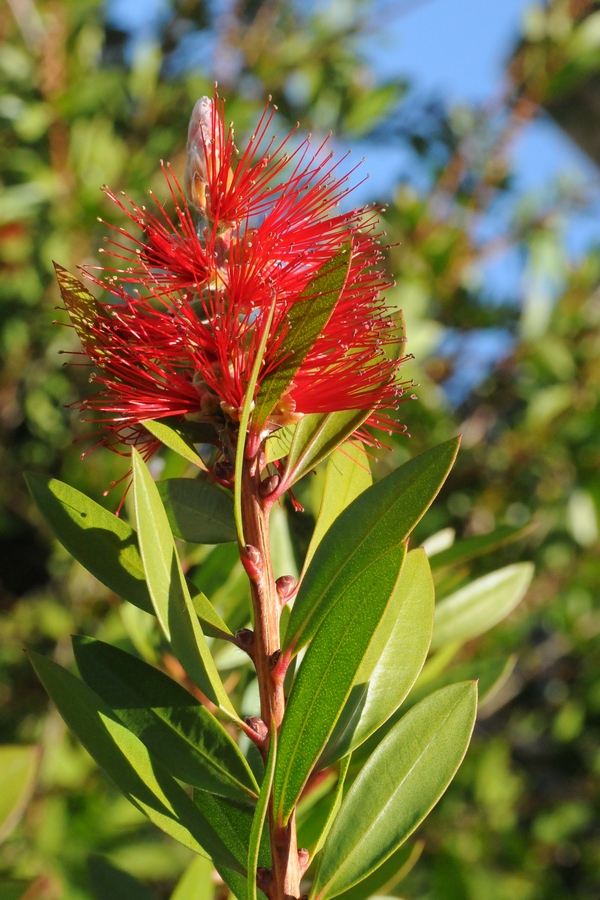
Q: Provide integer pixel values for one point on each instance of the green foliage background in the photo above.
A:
(78, 108)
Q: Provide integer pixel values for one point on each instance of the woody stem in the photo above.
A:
(286, 873)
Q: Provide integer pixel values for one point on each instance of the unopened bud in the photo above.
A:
(252, 562)
(200, 137)
(285, 585)
(263, 876)
(244, 637)
(269, 485)
(303, 859)
(256, 724)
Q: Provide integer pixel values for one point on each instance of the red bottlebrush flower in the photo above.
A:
(192, 293)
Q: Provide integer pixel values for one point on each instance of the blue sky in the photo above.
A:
(455, 50)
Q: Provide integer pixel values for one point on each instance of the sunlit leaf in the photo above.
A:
(390, 873)
(306, 320)
(316, 436)
(127, 762)
(347, 475)
(260, 814)
(84, 310)
(325, 676)
(175, 439)
(393, 662)
(19, 766)
(480, 605)
(375, 524)
(197, 881)
(399, 785)
(106, 546)
(168, 588)
(174, 726)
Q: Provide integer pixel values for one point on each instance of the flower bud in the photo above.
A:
(199, 141)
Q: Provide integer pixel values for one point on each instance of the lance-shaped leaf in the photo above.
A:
(326, 675)
(105, 545)
(247, 407)
(176, 439)
(168, 589)
(84, 310)
(19, 765)
(127, 762)
(393, 662)
(335, 803)
(399, 785)
(305, 321)
(174, 726)
(111, 883)
(347, 475)
(315, 437)
(472, 547)
(369, 530)
(198, 510)
(383, 880)
(260, 814)
(234, 823)
(197, 882)
(278, 444)
(479, 606)
(489, 673)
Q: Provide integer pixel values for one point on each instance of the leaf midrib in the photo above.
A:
(387, 511)
(377, 818)
(334, 656)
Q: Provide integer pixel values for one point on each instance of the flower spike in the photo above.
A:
(250, 238)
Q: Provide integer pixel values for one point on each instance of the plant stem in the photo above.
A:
(286, 873)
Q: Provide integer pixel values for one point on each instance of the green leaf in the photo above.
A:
(480, 605)
(19, 765)
(247, 408)
(175, 439)
(384, 879)
(260, 814)
(100, 541)
(326, 674)
(306, 320)
(279, 442)
(316, 436)
(196, 883)
(376, 524)
(336, 802)
(399, 785)
(470, 548)
(168, 588)
(198, 510)
(111, 883)
(105, 545)
(127, 762)
(348, 474)
(488, 672)
(83, 308)
(393, 662)
(234, 822)
(173, 725)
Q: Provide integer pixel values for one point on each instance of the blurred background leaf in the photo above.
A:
(498, 274)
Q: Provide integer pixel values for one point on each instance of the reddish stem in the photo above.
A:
(256, 557)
